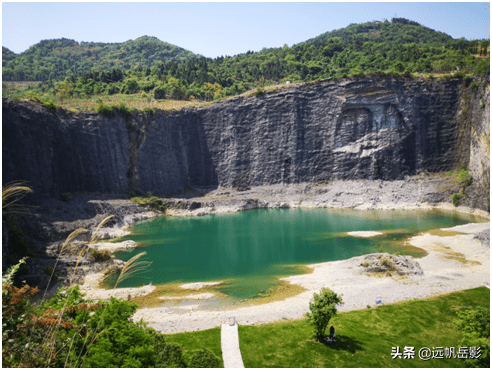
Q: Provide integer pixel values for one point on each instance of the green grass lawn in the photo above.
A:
(364, 338)
(190, 342)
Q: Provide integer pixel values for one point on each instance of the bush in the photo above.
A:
(65, 197)
(159, 93)
(152, 201)
(124, 111)
(204, 358)
(474, 86)
(104, 110)
(456, 198)
(482, 68)
(460, 75)
(259, 91)
(100, 256)
(50, 106)
(322, 310)
(132, 125)
(475, 326)
(171, 356)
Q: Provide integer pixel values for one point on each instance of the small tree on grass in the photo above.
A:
(322, 310)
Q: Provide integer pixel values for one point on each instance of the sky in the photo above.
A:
(224, 28)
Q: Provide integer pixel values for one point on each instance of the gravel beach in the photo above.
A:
(453, 263)
(456, 262)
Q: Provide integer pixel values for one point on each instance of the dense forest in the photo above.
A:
(57, 59)
(154, 68)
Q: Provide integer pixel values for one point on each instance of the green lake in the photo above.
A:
(250, 250)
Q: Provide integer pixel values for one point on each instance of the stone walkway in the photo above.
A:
(229, 341)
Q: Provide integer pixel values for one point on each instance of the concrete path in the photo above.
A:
(229, 341)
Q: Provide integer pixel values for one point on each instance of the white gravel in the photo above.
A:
(364, 234)
(192, 296)
(199, 285)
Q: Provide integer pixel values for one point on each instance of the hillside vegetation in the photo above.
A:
(61, 58)
(156, 70)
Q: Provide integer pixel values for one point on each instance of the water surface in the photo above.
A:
(250, 250)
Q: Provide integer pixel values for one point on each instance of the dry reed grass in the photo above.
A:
(12, 193)
(52, 320)
(135, 101)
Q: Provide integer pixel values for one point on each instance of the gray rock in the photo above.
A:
(365, 128)
(384, 262)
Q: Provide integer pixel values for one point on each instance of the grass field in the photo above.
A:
(190, 342)
(364, 338)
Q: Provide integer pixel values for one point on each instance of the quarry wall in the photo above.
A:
(364, 128)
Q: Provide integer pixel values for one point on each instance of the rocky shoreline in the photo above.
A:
(57, 219)
(453, 263)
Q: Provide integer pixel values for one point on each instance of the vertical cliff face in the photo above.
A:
(367, 128)
(473, 148)
(62, 153)
(172, 154)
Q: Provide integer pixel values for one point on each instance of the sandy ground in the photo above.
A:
(115, 247)
(453, 263)
(93, 292)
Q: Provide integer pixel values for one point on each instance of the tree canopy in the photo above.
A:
(401, 46)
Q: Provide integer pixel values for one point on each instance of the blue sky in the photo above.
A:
(222, 28)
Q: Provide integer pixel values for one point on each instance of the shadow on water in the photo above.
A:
(343, 343)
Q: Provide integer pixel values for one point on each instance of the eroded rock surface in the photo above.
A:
(365, 128)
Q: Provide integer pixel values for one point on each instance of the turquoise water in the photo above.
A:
(251, 249)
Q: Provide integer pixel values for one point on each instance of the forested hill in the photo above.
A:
(60, 58)
(399, 30)
(149, 66)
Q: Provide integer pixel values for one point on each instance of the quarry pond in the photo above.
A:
(249, 251)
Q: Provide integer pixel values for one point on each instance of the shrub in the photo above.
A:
(460, 75)
(171, 356)
(204, 358)
(152, 201)
(474, 86)
(65, 197)
(408, 72)
(322, 310)
(148, 110)
(456, 198)
(390, 266)
(459, 175)
(104, 110)
(132, 124)
(100, 256)
(120, 342)
(159, 93)
(124, 111)
(475, 326)
(259, 91)
(50, 106)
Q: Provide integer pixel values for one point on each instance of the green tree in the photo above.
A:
(475, 326)
(322, 310)
(483, 47)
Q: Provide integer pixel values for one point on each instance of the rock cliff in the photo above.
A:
(365, 128)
